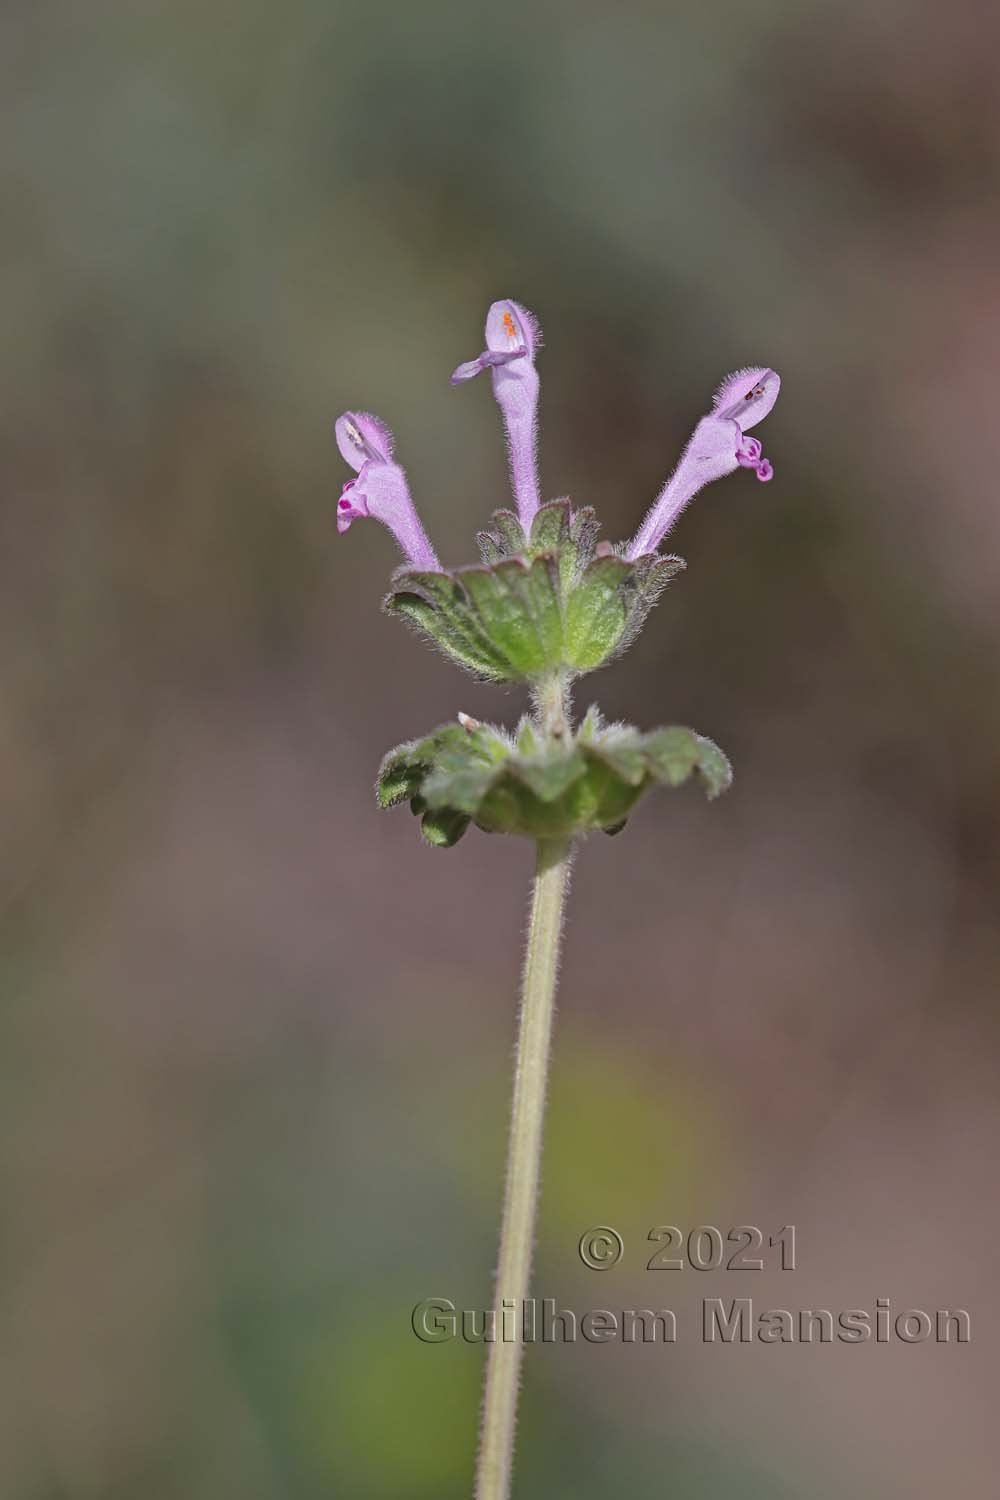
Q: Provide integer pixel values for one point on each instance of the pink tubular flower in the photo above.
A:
(512, 340)
(717, 447)
(380, 490)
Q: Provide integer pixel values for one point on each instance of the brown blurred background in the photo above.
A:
(255, 1038)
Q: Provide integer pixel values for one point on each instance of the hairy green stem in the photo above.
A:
(550, 698)
(517, 1231)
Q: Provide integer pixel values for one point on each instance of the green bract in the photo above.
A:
(552, 601)
(523, 784)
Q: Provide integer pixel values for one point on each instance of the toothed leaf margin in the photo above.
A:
(457, 776)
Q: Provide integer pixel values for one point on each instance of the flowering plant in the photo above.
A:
(547, 603)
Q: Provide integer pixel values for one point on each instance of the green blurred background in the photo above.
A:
(255, 1039)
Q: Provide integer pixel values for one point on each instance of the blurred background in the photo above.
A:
(255, 1038)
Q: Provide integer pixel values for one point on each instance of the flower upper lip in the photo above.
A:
(362, 437)
(747, 396)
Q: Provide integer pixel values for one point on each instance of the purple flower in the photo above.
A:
(718, 445)
(380, 490)
(512, 339)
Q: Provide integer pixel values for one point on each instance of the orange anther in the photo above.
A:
(508, 323)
